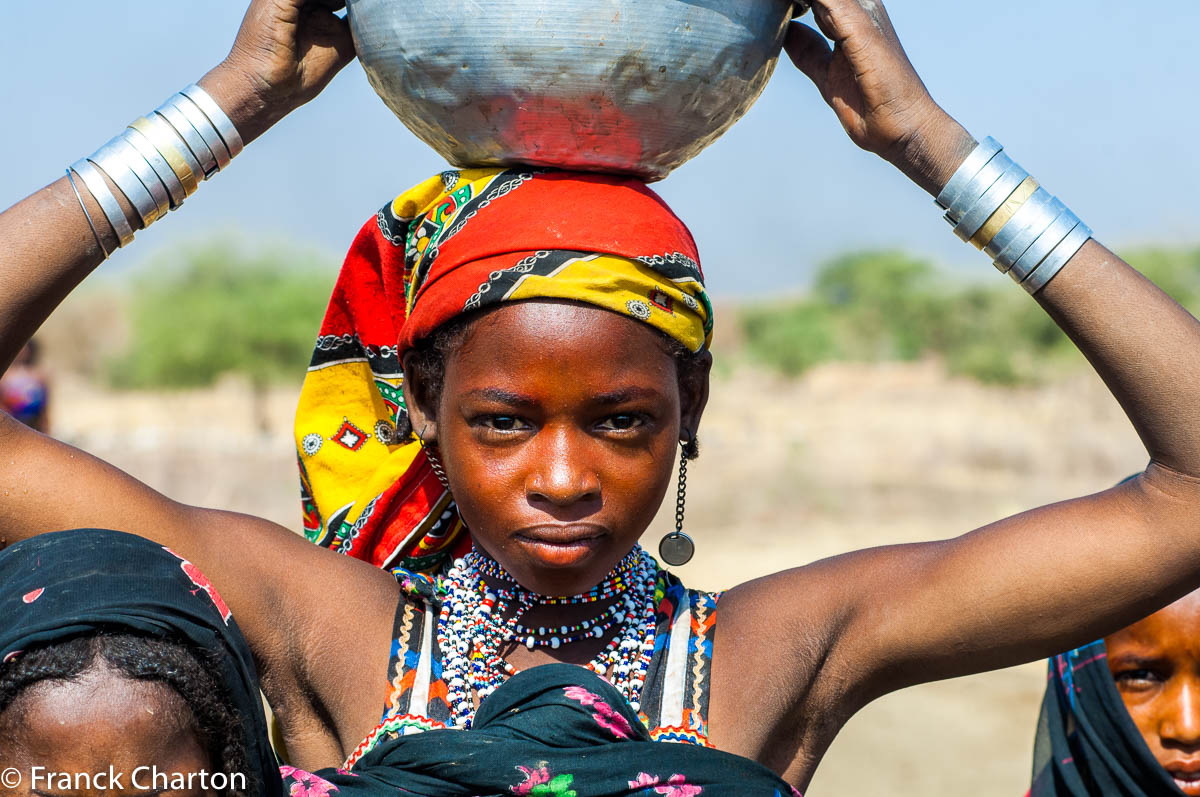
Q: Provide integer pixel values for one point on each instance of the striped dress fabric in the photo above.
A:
(674, 698)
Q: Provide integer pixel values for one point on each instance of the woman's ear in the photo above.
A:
(421, 406)
(694, 396)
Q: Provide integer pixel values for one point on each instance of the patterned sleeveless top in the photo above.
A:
(674, 697)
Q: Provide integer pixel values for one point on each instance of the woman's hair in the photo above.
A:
(426, 366)
(185, 669)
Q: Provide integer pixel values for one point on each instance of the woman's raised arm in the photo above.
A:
(857, 626)
(285, 52)
(294, 614)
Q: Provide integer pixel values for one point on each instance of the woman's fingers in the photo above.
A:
(810, 52)
(330, 46)
(846, 20)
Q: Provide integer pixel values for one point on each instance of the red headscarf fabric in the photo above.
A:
(457, 243)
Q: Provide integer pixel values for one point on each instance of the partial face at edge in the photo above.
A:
(559, 424)
(1156, 666)
(98, 719)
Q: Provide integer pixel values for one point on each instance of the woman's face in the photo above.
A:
(1156, 666)
(120, 733)
(558, 424)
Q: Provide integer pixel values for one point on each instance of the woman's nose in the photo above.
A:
(1180, 725)
(561, 474)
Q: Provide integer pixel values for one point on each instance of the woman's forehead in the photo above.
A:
(568, 336)
(105, 707)
(1174, 629)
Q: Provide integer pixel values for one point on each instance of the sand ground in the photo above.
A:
(791, 471)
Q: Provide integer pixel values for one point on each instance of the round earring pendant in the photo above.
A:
(676, 549)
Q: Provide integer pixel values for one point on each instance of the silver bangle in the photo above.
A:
(157, 162)
(1043, 246)
(166, 174)
(204, 127)
(141, 167)
(1036, 241)
(978, 214)
(975, 189)
(219, 119)
(111, 163)
(1026, 237)
(105, 198)
(966, 172)
(1055, 261)
(195, 142)
(87, 214)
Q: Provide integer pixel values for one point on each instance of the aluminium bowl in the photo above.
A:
(630, 86)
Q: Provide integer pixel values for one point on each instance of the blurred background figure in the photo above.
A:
(24, 392)
(1122, 715)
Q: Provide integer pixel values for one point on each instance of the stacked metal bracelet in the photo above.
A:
(158, 161)
(995, 204)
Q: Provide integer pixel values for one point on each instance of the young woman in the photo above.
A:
(555, 421)
(1122, 715)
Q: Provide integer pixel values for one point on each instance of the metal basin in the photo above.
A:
(633, 86)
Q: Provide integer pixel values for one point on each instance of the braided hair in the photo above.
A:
(188, 671)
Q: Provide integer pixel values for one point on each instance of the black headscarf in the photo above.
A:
(551, 731)
(1086, 741)
(70, 583)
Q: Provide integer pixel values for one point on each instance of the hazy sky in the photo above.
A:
(1099, 104)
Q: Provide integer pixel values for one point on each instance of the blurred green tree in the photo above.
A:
(884, 304)
(220, 308)
(888, 305)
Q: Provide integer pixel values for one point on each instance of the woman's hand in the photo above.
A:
(285, 53)
(867, 79)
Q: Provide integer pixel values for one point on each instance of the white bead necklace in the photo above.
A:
(471, 628)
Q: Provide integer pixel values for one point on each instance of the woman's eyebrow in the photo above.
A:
(502, 396)
(1136, 660)
(625, 394)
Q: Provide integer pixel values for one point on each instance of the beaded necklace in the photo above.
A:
(477, 620)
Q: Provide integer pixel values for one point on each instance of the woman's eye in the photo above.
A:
(504, 423)
(1137, 677)
(621, 423)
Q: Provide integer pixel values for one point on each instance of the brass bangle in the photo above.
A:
(1004, 214)
(170, 147)
(158, 163)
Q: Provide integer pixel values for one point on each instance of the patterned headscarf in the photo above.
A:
(460, 242)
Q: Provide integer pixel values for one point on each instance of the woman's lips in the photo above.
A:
(561, 546)
(1186, 775)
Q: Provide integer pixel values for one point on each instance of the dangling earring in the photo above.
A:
(435, 462)
(677, 548)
